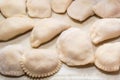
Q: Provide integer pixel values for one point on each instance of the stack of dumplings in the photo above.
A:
(74, 46)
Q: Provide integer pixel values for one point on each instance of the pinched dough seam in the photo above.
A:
(116, 68)
(39, 75)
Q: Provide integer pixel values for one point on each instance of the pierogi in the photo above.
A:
(75, 48)
(105, 29)
(14, 26)
(46, 30)
(13, 7)
(107, 57)
(40, 63)
(10, 60)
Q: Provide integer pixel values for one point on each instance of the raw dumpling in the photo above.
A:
(9, 60)
(39, 8)
(13, 7)
(107, 8)
(13, 26)
(81, 9)
(60, 6)
(75, 47)
(105, 29)
(1, 17)
(107, 57)
(46, 30)
(40, 63)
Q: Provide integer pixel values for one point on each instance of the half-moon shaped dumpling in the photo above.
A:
(105, 29)
(10, 60)
(40, 63)
(13, 7)
(14, 26)
(81, 9)
(60, 6)
(75, 47)
(107, 57)
(45, 30)
(39, 8)
(107, 8)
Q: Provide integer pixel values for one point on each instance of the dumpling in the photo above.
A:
(45, 30)
(13, 26)
(38, 63)
(75, 48)
(107, 57)
(81, 9)
(60, 6)
(13, 7)
(10, 60)
(107, 8)
(105, 29)
(39, 8)
(1, 17)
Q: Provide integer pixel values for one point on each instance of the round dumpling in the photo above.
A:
(81, 9)
(40, 63)
(107, 57)
(75, 47)
(60, 6)
(39, 8)
(107, 8)
(13, 7)
(9, 60)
